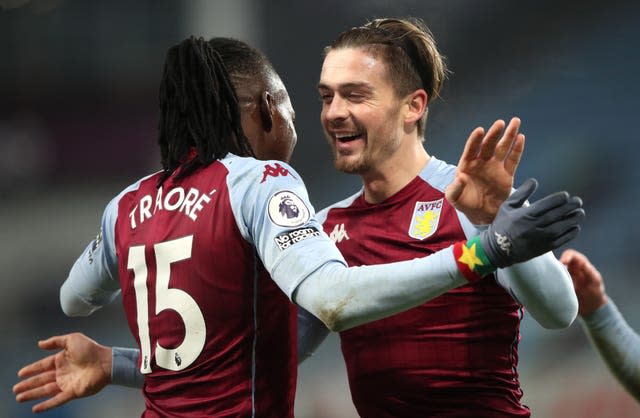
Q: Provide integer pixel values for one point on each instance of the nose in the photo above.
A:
(336, 109)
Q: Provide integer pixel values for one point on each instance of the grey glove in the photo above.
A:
(520, 232)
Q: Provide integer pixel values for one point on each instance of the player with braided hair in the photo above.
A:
(206, 260)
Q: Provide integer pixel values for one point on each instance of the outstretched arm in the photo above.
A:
(82, 368)
(612, 337)
(485, 172)
(343, 298)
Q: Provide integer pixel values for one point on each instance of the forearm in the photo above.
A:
(344, 298)
(617, 343)
(543, 286)
(124, 367)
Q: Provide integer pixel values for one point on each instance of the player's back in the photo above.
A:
(217, 336)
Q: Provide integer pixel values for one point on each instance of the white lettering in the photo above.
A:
(189, 200)
(133, 218)
(145, 205)
(189, 203)
(167, 200)
(158, 200)
(198, 206)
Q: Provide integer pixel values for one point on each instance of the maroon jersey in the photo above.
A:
(217, 335)
(454, 356)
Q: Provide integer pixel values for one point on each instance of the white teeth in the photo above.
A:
(343, 136)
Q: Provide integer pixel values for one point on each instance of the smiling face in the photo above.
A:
(362, 116)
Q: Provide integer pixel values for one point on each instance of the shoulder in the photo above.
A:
(438, 174)
(261, 169)
(323, 215)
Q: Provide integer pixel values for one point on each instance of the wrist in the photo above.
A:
(106, 362)
(472, 260)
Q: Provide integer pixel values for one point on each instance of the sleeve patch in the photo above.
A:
(288, 210)
(287, 239)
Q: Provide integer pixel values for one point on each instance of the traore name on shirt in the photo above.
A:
(190, 203)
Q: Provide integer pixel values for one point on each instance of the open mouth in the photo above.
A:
(347, 137)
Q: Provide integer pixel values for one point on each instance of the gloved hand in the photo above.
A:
(520, 232)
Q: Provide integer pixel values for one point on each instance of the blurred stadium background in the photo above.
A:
(78, 101)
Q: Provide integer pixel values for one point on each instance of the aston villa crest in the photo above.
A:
(424, 221)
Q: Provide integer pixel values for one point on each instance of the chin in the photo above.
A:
(349, 166)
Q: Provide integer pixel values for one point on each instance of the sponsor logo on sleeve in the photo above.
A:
(287, 239)
(288, 210)
(424, 221)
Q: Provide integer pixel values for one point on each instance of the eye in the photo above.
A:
(326, 98)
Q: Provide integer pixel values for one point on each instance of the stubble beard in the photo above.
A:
(345, 164)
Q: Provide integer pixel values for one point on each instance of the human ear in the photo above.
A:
(416, 105)
(266, 108)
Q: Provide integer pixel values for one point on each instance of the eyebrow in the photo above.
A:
(347, 86)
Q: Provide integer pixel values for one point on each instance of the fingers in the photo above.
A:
(572, 209)
(522, 193)
(565, 229)
(508, 139)
(568, 256)
(514, 155)
(47, 363)
(550, 202)
(454, 190)
(472, 146)
(491, 140)
(60, 399)
(57, 342)
(567, 236)
(36, 387)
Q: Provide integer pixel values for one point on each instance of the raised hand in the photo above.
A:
(587, 281)
(82, 368)
(521, 232)
(485, 173)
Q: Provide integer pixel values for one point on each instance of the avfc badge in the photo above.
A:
(424, 221)
(288, 210)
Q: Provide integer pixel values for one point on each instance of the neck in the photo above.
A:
(389, 177)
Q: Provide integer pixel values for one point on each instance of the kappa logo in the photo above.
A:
(274, 170)
(339, 233)
(425, 218)
(503, 243)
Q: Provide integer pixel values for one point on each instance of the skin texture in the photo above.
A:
(81, 368)
(373, 132)
(587, 281)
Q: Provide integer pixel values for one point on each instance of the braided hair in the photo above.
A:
(199, 112)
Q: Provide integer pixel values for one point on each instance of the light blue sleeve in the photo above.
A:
(272, 210)
(273, 213)
(617, 343)
(93, 279)
(544, 287)
(124, 367)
